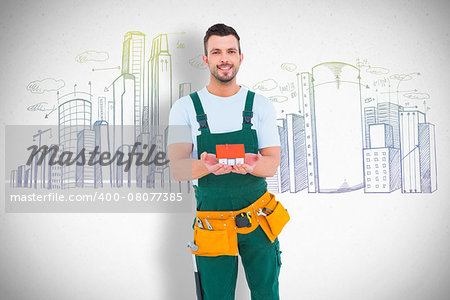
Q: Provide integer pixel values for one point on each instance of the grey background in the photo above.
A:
(346, 246)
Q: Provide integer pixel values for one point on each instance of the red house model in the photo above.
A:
(230, 154)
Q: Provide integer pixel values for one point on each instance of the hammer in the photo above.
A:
(198, 286)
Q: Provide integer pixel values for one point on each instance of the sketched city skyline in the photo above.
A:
(346, 136)
(340, 141)
(126, 104)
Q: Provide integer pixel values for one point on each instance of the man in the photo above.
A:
(225, 113)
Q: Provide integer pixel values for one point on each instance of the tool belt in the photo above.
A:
(220, 228)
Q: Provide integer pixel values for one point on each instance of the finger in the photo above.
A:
(219, 167)
(227, 168)
(246, 168)
(222, 169)
(239, 169)
(203, 156)
(221, 172)
(216, 167)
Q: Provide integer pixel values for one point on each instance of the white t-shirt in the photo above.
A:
(225, 115)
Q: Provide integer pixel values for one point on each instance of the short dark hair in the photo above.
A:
(220, 30)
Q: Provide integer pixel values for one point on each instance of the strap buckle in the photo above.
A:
(248, 115)
(202, 121)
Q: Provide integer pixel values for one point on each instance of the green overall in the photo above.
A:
(260, 257)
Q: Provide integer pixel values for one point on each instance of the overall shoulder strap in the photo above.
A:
(247, 114)
(201, 116)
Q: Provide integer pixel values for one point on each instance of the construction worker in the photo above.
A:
(225, 113)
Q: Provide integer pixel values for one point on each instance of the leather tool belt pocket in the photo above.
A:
(277, 219)
(219, 239)
(215, 232)
(272, 217)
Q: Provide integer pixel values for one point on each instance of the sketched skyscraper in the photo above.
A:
(123, 113)
(124, 127)
(418, 154)
(21, 182)
(427, 146)
(338, 126)
(279, 183)
(388, 113)
(310, 131)
(184, 89)
(381, 161)
(370, 117)
(54, 171)
(296, 152)
(409, 150)
(101, 108)
(160, 66)
(85, 173)
(13, 178)
(27, 178)
(102, 174)
(74, 115)
(133, 62)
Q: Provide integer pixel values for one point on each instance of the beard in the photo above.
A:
(227, 77)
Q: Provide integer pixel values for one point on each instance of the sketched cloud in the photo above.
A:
(278, 99)
(92, 55)
(401, 77)
(244, 86)
(290, 67)
(45, 85)
(417, 96)
(266, 85)
(197, 62)
(377, 70)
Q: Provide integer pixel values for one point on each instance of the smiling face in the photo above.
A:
(223, 58)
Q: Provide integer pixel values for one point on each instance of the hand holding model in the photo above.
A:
(249, 164)
(212, 164)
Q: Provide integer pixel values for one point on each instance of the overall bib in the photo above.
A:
(231, 192)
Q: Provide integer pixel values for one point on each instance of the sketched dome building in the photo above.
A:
(338, 127)
(74, 115)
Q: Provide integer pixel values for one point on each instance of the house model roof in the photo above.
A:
(230, 151)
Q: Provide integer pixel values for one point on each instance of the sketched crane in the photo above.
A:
(39, 135)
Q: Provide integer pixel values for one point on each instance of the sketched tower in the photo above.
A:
(279, 183)
(54, 171)
(418, 153)
(85, 173)
(160, 69)
(133, 61)
(370, 117)
(338, 127)
(124, 127)
(21, 181)
(160, 66)
(102, 174)
(381, 160)
(74, 115)
(388, 113)
(296, 152)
